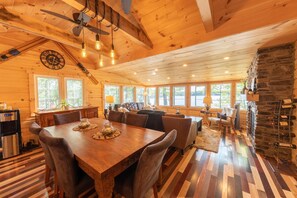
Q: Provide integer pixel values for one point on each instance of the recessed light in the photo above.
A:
(149, 80)
(193, 75)
(154, 73)
(156, 69)
(168, 78)
(226, 58)
(185, 65)
(226, 72)
(135, 73)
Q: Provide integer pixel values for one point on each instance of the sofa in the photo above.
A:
(154, 120)
(130, 106)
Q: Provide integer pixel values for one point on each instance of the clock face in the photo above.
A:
(52, 59)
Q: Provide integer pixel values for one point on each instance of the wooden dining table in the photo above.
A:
(103, 160)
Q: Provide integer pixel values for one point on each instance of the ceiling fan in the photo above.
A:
(81, 19)
(126, 5)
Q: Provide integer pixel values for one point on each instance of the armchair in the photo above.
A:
(186, 131)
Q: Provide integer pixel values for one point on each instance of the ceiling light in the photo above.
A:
(156, 69)
(135, 73)
(168, 78)
(226, 58)
(154, 73)
(112, 61)
(149, 80)
(193, 75)
(83, 50)
(100, 60)
(185, 65)
(226, 72)
(97, 44)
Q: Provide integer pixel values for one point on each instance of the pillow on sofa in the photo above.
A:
(222, 116)
(123, 109)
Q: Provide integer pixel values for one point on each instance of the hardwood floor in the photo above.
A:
(235, 171)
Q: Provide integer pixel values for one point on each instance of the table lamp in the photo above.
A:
(207, 100)
(110, 100)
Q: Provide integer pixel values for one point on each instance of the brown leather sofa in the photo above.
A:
(186, 131)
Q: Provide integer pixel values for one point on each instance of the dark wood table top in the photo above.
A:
(104, 159)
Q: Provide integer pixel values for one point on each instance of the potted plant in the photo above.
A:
(64, 105)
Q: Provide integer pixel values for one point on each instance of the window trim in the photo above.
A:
(120, 94)
(147, 97)
(173, 96)
(133, 91)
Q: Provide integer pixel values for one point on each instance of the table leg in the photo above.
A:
(104, 187)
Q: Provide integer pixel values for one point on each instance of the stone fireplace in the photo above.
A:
(271, 76)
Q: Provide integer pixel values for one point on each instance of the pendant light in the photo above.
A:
(97, 43)
(83, 45)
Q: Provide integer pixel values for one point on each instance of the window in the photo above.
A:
(240, 98)
(164, 96)
(179, 96)
(128, 94)
(197, 96)
(74, 92)
(139, 94)
(151, 94)
(112, 90)
(47, 92)
(221, 94)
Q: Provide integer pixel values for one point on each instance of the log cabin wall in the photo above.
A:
(16, 82)
(273, 73)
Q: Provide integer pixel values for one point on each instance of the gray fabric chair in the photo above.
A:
(116, 116)
(139, 178)
(49, 163)
(65, 118)
(136, 119)
(72, 180)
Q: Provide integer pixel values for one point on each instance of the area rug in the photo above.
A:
(208, 139)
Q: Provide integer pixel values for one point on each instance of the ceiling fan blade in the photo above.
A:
(58, 15)
(83, 17)
(126, 4)
(96, 30)
(77, 30)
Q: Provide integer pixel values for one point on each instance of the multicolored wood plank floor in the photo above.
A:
(235, 171)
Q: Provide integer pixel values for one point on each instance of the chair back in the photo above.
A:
(65, 163)
(65, 118)
(116, 116)
(136, 119)
(49, 161)
(175, 115)
(154, 120)
(149, 164)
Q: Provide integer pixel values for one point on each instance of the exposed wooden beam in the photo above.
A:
(76, 62)
(206, 12)
(30, 25)
(20, 49)
(136, 34)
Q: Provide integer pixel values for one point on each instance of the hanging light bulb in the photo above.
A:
(112, 46)
(100, 60)
(112, 51)
(98, 43)
(83, 50)
(112, 61)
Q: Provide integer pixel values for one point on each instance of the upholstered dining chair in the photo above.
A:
(72, 180)
(49, 162)
(142, 176)
(136, 119)
(116, 116)
(186, 131)
(65, 118)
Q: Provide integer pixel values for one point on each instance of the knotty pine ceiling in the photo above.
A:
(199, 33)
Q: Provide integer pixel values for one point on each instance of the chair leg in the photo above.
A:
(47, 173)
(155, 191)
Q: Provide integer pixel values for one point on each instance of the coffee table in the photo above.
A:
(198, 120)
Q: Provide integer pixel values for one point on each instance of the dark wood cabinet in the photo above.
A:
(45, 118)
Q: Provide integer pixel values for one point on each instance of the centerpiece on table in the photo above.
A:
(108, 132)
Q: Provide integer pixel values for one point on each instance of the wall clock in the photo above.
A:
(52, 59)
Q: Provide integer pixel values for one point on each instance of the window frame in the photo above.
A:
(135, 90)
(65, 88)
(190, 94)
(169, 102)
(104, 95)
(230, 95)
(147, 97)
(245, 104)
(185, 96)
